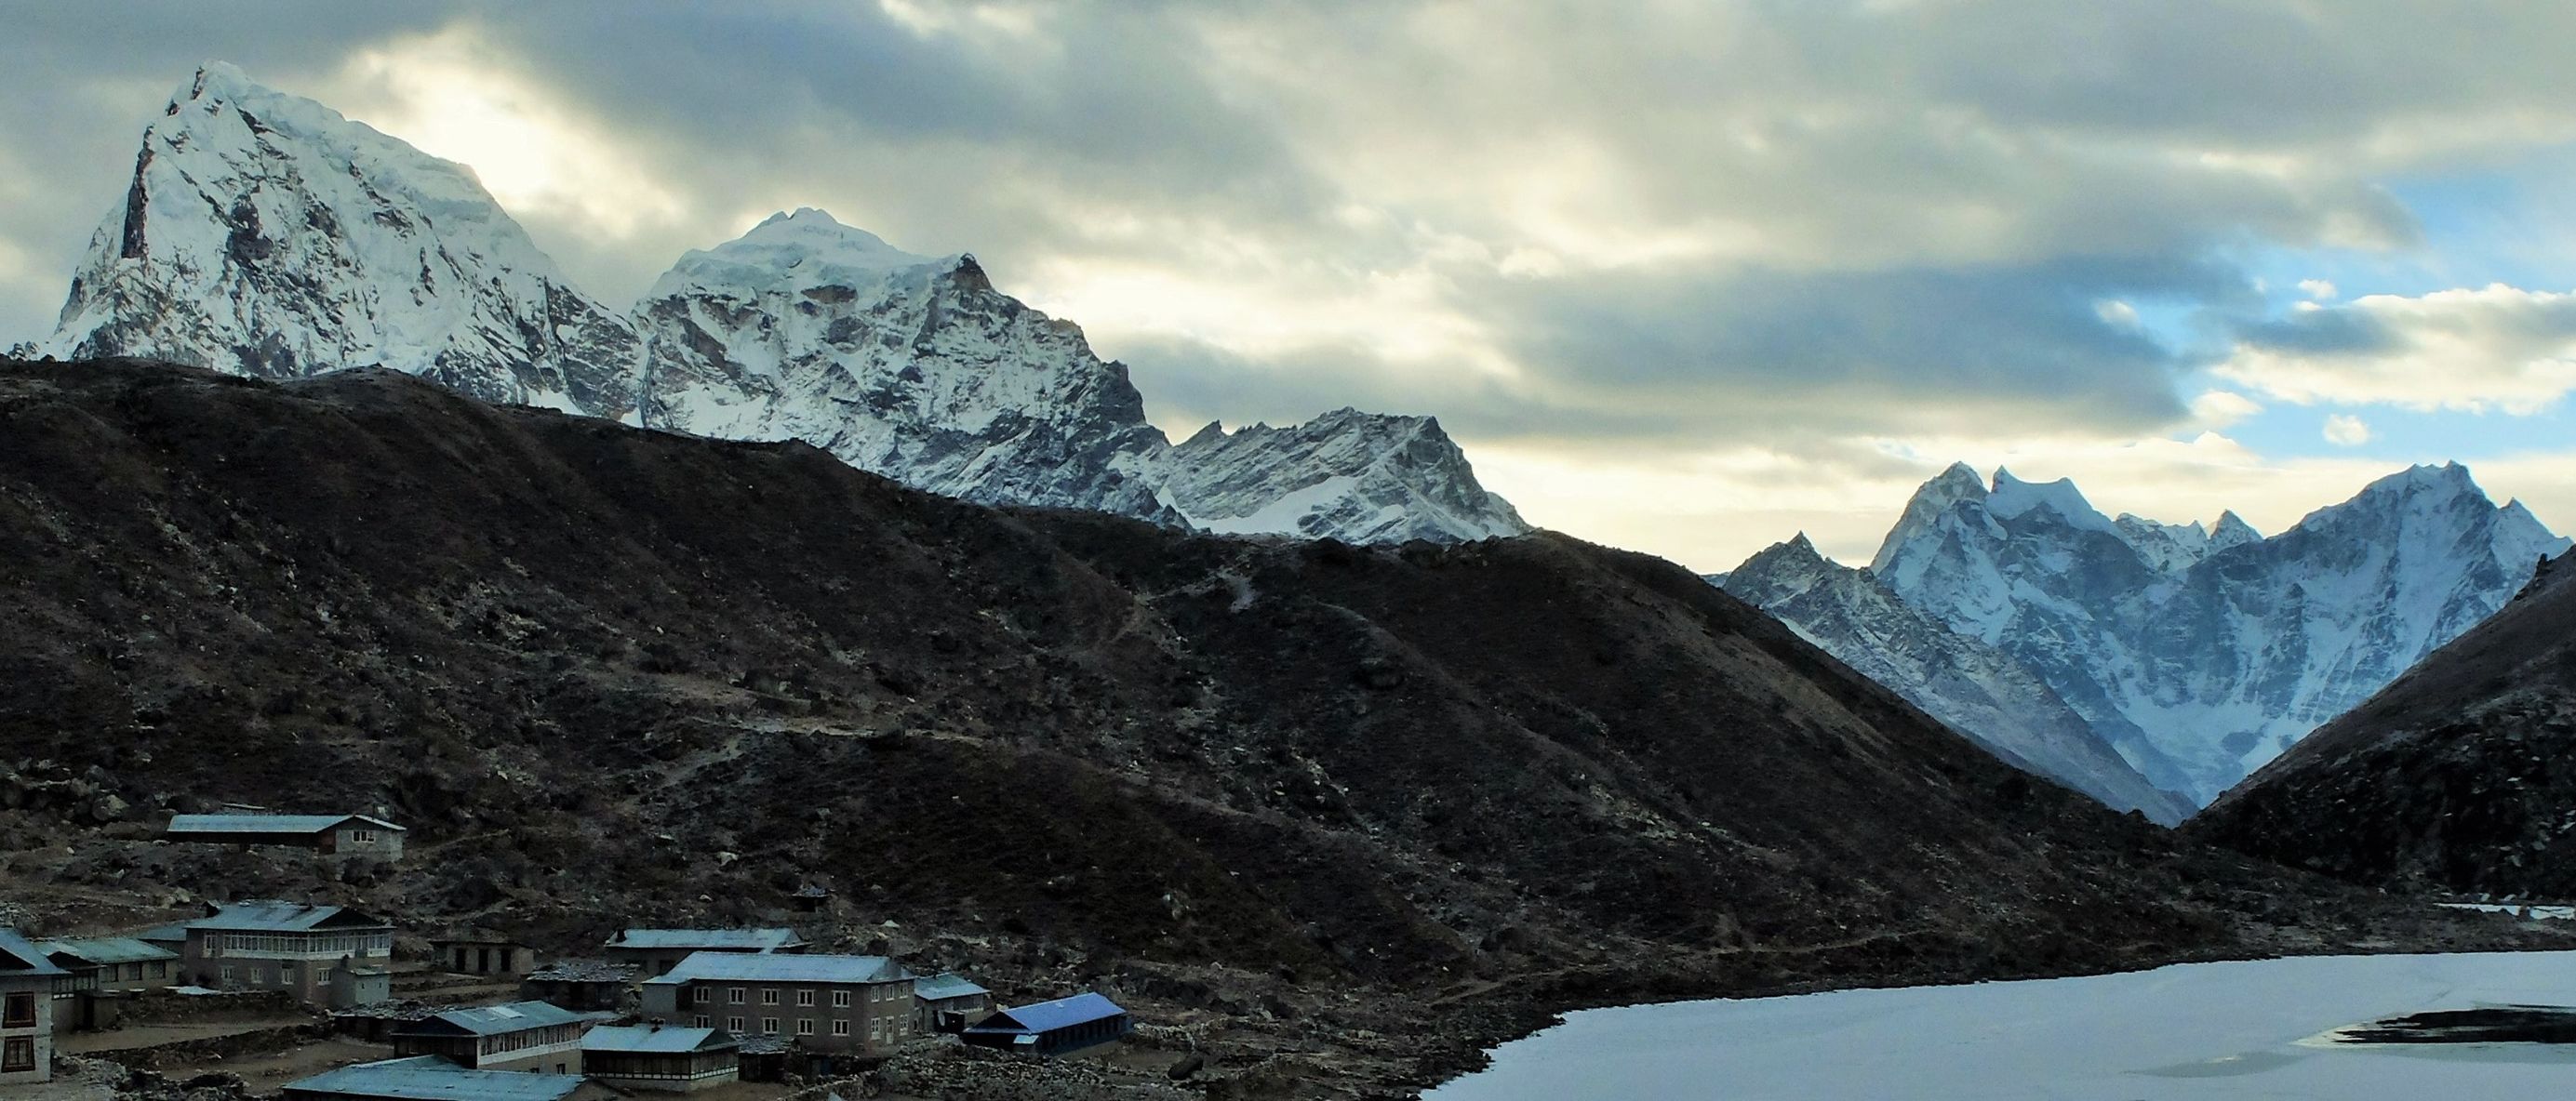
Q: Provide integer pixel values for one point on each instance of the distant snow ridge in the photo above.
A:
(1972, 687)
(2197, 655)
(266, 235)
(1360, 477)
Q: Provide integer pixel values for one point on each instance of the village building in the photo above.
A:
(26, 1011)
(1053, 1028)
(948, 1003)
(110, 965)
(520, 1036)
(430, 1078)
(477, 952)
(328, 955)
(581, 984)
(657, 951)
(859, 1005)
(661, 1057)
(329, 834)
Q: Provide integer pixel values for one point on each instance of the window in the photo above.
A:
(805, 997)
(733, 995)
(733, 1024)
(19, 1011)
(363, 837)
(18, 1053)
(804, 1026)
(699, 1021)
(769, 996)
(769, 1026)
(840, 999)
(704, 994)
(226, 976)
(840, 1028)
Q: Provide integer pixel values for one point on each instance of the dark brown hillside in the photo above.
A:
(610, 675)
(2459, 776)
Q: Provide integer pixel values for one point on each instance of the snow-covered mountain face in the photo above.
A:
(1358, 477)
(266, 235)
(907, 365)
(2201, 656)
(1974, 688)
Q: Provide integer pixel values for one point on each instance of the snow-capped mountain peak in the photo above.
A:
(2200, 665)
(2011, 497)
(265, 234)
(794, 252)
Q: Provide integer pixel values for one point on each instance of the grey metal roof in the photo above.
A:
(18, 957)
(274, 915)
(108, 950)
(269, 823)
(950, 985)
(740, 940)
(761, 967)
(494, 1020)
(430, 1078)
(651, 1038)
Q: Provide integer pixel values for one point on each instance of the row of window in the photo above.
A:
(769, 1026)
(338, 944)
(769, 996)
(529, 1037)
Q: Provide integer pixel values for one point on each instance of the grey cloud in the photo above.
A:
(1935, 194)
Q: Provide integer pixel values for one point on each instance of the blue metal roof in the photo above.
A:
(950, 985)
(651, 1038)
(493, 1020)
(1050, 1016)
(108, 950)
(269, 823)
(430, 1078)
(275, 915)
(762, 967)
(745, 940)
(19, 957)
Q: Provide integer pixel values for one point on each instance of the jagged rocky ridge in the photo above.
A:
(603, 672)
(2200, 654)
(266, 235)
(1978, 690)
(2459, 776)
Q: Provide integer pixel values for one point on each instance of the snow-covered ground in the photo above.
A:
(2192, 1031)
(2535, 913)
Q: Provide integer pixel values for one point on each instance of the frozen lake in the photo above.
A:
(2191, 1031)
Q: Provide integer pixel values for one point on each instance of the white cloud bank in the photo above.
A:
(2495, 348)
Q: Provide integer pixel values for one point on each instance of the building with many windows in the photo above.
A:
(661, 1057)
(859, 1005)
(328, 955)
(529, 1036)
(26, 1011)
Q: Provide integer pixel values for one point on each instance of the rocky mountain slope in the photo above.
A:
(2461, 775)
(265, 235)
(2201, 654)
(1978, 690)
(1307, 789)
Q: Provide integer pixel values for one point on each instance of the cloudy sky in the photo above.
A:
(1684, 277)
